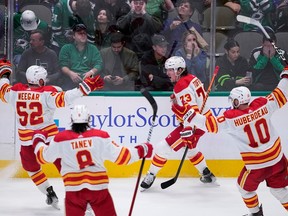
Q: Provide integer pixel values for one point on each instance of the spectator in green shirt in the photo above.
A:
(80, 59)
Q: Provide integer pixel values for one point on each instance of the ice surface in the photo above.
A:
(188, 196)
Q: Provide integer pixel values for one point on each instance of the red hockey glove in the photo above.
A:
(173, 99)
(5, 68)
(190, 137)
(144, 150)
(184, 112)
(91, 84)
(39, 136)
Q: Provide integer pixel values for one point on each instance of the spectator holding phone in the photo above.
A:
(120, 65)
(232, 68)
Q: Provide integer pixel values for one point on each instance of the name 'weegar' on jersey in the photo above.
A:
(35, 107)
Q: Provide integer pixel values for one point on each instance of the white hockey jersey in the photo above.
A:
(252, 129)
(190, 89)
(82, 157)
(35, 107)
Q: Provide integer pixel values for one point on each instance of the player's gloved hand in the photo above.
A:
(39, 136)
(91, 84)
(173, 99)
(5, 68)
(284, 73)
(144, 150)
(191, 137)
(184, 112)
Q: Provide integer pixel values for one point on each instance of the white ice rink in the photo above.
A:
(187, 197)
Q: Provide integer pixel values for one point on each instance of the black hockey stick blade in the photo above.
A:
(170, 182)
(151, 100)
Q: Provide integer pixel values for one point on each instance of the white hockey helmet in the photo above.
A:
(36, 73)
(239, 95)
(175, 62)
(28, 20)
(80, 114)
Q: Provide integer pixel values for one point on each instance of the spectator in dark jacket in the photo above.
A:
(232, 68)
(153, 75)
(120, 65)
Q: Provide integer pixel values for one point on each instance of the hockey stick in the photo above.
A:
(251, 21)
(153, 103)
(170, 182)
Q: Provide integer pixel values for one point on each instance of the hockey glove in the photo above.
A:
(144, 150)
(184, 112)
(39, 136)
(5, 69)
(91, 84)
(190, 137)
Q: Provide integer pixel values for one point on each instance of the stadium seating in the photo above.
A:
(248, 41)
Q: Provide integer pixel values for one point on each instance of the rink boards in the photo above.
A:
(127, 118)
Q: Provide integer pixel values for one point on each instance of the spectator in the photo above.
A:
(117, 8)
(41, 55)
(261, 10)
(175, 27)
(105, 26)
(80, 59)
(232, 68)
(83, 171)
(66, 14)
(23, 24)
(120, 65)
(153, 74)
(159, 9)
(139, 26)
(266, 65)
(233, 4)
(196, 58)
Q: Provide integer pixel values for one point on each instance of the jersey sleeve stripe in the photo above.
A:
(280, 97)
(3, 90)
(40, 157)
(60, 101)
(123, 157)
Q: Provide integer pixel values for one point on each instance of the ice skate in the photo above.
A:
(207, 177)
(259, 213)
(147, 181)
(52, 198)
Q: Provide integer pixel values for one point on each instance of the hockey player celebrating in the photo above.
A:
(188, 88)
(256, 138)
(35, 105)
(83, 151)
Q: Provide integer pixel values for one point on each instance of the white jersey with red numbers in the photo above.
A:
(82, 157)
(35, 107)
(252, 129)
(190, 89)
